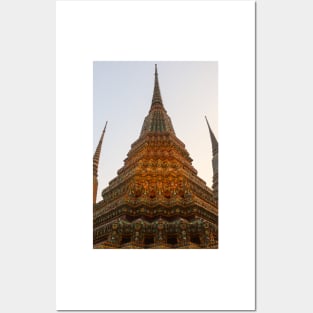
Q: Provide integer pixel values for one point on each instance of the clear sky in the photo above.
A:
(122, 94)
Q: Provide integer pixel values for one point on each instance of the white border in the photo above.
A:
(90, 279)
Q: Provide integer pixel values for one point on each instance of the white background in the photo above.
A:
(284, 156)
(156, 279)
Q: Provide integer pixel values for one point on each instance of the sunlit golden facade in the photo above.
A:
(157, 200)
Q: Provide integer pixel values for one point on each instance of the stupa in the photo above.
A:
(157, 199)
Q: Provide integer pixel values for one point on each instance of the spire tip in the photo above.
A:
(105, 126)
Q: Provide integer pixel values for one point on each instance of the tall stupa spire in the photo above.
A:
(156, 99)
(96, 158)
(157, 121)
(214, 143)
(213, 138)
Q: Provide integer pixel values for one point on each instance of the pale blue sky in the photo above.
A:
(123, 94)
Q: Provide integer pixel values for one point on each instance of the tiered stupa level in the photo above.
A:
(157, 200)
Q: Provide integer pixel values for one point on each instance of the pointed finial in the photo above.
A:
(214, 162)
(96, 155)
(156, 98)
(96, 158)
(206, 119)
(213, 139)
